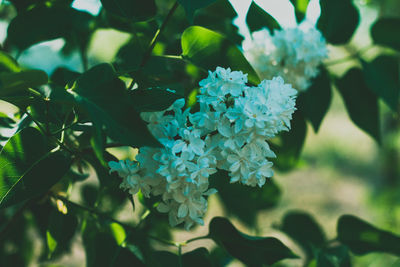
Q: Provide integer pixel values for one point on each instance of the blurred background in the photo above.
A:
(341, 169)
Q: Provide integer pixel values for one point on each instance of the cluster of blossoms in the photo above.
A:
(293, 53)
(229, 133)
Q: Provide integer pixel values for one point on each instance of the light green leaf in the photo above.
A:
(208, 50)
(300, 8)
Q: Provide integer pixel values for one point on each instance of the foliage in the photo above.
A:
(67, 121)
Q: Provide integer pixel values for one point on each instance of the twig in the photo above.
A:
(153, 42)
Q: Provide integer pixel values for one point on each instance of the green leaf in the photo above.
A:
(132, 10)
(104, 98)
(7, 63)
(14, 86)
(338, 31)
(253, 251)
(237, 198)
(208, 50)
(288, 145)
(257, 18)
(219, 17)
(385, 32)
(360, 102)
(60, 231)
(314, 103)
(191, 6)
(302, 228)
(382, 77)
(300, 8)
(362, 237)
(43, 23)
(64, 77)
(154, 99)
(27, 170)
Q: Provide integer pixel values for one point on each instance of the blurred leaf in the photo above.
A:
(300, 8)
(191, 6)
(338, 30)
(257, 18)
(253, 251)
(43, 23)
(382, 77)
(333, 257)
(7, 63)
(219, 257)
(314, 102)
(195, 258)
(61, 229)
(23, 5)
(27, 169)
(237, 198)
(129, 56)
(16, 245)
(288, 145)
(302, 228)
(132, 10)
(153, 99)
(208, 50)
(385, 32)
(360, 102)
(361, 237)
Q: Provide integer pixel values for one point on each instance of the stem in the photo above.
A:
(37, 123)
(171, 56)
(180, 255)
(64, 128)
(166, 242)
(153, 42)
(197, 238)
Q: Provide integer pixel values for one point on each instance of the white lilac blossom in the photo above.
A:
(294, 54)
(230, 132)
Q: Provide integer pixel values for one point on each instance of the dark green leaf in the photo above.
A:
(335, 30)
(253, 251)
(103, 96)
(154, 99)
(208, 50)
(191, 6)
(64, 77)
(43, 23)
(385, 32)
(288, 145)
(27, 170)
(61, 229)
(13, 86)
(300, 8)
(237, 198)
(132, 10)
(360, 102)
(362, 237)
(382, 77)
(314, 103)
(302, 228)
(257, 18)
